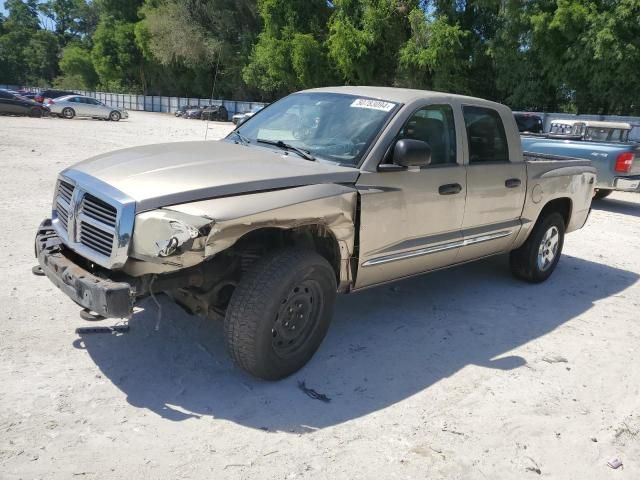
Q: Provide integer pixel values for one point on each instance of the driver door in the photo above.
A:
(411, 220)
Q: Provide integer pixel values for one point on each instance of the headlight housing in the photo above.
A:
(163, 233)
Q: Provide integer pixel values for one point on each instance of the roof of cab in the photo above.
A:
(398, 95)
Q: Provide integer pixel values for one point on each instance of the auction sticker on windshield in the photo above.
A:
(373, 104)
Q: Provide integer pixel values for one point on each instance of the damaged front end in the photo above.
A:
(197, 252)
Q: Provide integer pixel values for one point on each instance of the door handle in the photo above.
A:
(450, 189)
(512, 183)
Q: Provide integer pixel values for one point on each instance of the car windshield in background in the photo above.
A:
(329, 126)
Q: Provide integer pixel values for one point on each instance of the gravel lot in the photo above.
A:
(465, 373)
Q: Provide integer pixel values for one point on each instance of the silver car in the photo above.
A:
(71, 106)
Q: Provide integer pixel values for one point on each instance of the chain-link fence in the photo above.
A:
(153, 103)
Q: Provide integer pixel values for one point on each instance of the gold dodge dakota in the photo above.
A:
(326, 191)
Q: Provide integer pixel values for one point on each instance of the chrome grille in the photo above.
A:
(63, 202)
(96, 239)
(96, 224)
(98, 210)
(93, 219)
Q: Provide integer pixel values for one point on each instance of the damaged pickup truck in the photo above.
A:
(326, 191)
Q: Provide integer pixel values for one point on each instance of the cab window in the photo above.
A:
(486, 136)
(435, 125)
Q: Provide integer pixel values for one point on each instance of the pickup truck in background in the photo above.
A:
(617, 163)
(326, 191)
(590, 130)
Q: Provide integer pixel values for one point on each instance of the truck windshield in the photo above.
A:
(329, 126)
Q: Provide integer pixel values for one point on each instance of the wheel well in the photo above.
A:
(221, 274)
(314, 237)
(562, 206)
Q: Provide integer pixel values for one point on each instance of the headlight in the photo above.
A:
(163, 233)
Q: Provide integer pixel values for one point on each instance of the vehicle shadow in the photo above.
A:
(617, 206)
(386, 344)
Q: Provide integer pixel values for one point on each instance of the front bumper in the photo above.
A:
(101, 295)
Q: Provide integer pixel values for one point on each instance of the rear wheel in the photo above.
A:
(114, 116)
(538, 257)
(601, 193)
(68, 113)
(280, 312)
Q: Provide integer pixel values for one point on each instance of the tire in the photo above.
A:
(223, 115)
(530, 262)
(68, 113)
(601, 193)
(36, 112)
(263, 313)
(115, 116)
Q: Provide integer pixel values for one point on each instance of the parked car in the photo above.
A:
(328, 191)
(12, 104)
(45, 95)
(240, 118)
(529, 122)
(215, 113)
(617, 164)
(194, 112)
(72, 106)
(181, 110)
(590, 130)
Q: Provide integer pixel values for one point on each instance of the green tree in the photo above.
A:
(77, 68)
(365, 38)
(197, 40)
(116, 57)
(290, 53)
(434, 56)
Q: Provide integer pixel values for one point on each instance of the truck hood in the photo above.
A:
(174, 173)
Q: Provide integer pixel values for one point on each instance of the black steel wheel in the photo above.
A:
(280, 312)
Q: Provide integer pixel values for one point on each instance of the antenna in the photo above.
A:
(213, 89)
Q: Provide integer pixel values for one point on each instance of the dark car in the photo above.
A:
(529, 122)
(216, 113)
(12, 104)
(181, 110)
(42, 96)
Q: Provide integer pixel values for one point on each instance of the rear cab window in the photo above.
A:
(487, 140)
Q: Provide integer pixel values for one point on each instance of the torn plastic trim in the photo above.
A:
(164, 236)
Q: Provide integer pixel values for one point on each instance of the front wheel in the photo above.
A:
(36, 112)
(538, 257)
(114, 116)
(280, 312)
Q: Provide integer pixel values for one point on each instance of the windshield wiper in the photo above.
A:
(285, 146)
(244, 140)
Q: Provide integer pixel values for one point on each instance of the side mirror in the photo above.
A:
(411, 153)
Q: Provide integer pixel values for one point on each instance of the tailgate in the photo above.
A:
(635, 166)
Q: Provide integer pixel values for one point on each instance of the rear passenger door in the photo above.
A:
(496, 185)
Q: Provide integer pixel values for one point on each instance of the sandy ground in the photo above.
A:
(465, 373)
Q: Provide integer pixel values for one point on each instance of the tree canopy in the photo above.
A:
(562, 55)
